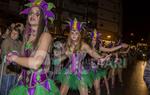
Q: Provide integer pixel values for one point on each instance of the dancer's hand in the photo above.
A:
(11, 57)
(101, 60)
(124, 45)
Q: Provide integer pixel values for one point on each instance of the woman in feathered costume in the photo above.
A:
(34, 58)
(99, 73)
(120, 62)
(74, 75)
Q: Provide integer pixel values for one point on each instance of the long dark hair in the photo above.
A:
(41, 29)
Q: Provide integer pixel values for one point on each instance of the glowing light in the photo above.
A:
(108, 36)
(144, 54)
(142, 39)
(132, 34)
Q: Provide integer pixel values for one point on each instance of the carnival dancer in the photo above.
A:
(115, 63)
(100, 72)
(74, 75)
(122, 63)
(34, 58)
(97, 71)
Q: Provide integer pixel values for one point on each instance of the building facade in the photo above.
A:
(109, 19)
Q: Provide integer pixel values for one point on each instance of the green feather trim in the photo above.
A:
(19, 90)
(28, 5)
(73, 81)
(99, 74)
(40, 90)
(50, 6)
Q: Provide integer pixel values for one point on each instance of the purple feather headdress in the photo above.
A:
(95, 34)
(46, 8)
(75, 24)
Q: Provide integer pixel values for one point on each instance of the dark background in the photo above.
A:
(136, 19)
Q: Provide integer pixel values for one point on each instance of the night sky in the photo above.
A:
(136, 18)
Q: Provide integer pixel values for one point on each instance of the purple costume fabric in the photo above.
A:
(31, 78)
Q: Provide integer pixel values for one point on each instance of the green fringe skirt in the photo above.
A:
(73, 81)
(39, 90)
(98, 74)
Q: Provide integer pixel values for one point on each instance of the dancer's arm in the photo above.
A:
(35, 61)
(94, 54)
(124, 52)
(113, 49)
(90, 51)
